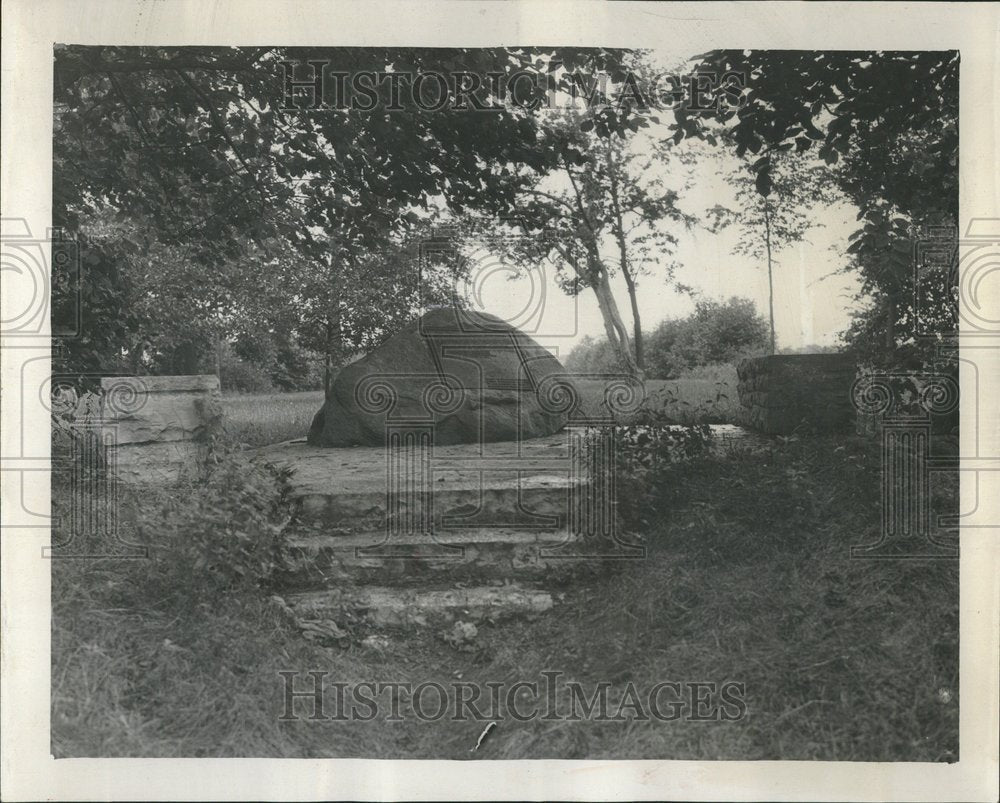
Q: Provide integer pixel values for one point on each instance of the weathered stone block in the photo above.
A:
(158, 425)
(786, 393)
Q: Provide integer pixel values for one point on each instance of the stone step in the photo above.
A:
(396, 607)
(490, 499)
(481, 555)
(527, 484)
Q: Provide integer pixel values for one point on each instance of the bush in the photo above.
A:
(591, 356)
(645, 451)
(717, 332)
(224, 536)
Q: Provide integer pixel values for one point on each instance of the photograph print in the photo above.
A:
(504, 403)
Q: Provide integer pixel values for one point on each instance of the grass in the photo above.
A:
(256, 419)
(748, 578)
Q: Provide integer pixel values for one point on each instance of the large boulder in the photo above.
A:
(473, 376)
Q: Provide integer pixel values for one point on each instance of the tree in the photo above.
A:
(890, 121)
(716, 332)
(193, 146)
(768, 223)
(592, 356)
(350, 304)
(596, 211)
(638, 207)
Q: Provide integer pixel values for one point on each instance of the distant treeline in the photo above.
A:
(716, 332)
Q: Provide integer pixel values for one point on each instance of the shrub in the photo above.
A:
(591, 356)
(223, 536)
(645, 452)
(717, 332)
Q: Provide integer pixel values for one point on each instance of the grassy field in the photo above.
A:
(257, 419)
(707, 396)
(748, 579)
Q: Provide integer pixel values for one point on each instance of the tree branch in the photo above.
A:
(220, 124)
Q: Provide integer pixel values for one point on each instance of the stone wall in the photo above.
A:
(787, 393)
(155, 427)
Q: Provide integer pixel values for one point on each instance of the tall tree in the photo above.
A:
(890, 121)
(197, 147)
(640, 207)
(600, 209)
(768, 223)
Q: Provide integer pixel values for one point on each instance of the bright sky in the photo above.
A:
(811, 306)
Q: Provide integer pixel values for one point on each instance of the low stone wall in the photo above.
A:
(786, 393)
(155, 427)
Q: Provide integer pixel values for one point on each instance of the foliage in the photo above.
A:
(799, 191)
(716, 332)
(221, 537)
(747, 553)
(690, 400)
(94, 300)
(593, 356)
(642, 452)
(73, 439)
(649, 445)
(768, 224)
(242, 375)
(889, 121)
(600, 208)
(295, 367)
(223, 207)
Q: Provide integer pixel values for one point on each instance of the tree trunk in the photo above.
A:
(619, 232)
(218, 358)
(770, 273)
(614, 326)
(327, 375)
(334, 341)
(334, 350)
(890, 324)
(640, 359)
(597, 277)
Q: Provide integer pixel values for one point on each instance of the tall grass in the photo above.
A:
(256, 419)
(702, 395)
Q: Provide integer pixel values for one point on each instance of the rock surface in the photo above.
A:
(468, 377)
(154, 426)
(395, 607)
(788, 393)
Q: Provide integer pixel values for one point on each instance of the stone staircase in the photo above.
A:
(421, 535)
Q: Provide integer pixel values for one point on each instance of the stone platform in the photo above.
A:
(511, 483)
(472, 485)
(420, 534)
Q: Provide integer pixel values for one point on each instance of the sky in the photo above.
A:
(812, 301)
